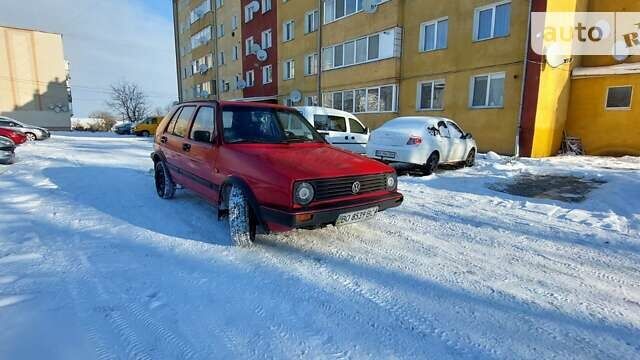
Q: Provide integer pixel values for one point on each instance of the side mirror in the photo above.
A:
(367, 131)
(202, 136)
(467, 136)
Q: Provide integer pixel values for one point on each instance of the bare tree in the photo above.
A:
(107, 120)
(129, 101)
(162, 110)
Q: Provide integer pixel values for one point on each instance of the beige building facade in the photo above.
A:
(34, 78)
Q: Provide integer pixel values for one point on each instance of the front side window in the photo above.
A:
(203, 125)
(265, 125)
(356, 127)
(182, 123)
(431, 95)
(488, 90)
(492, 21)
(619, 97)
(454, 130)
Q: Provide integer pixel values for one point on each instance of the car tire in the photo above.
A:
(471, 158)
(31, 136)
(145, 134)
(432, 164)
(242, 225)
(165, 187)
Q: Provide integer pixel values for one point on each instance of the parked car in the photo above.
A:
(425, 142)
(17, 137)
(339, 128)
(33, 133)
(146, 127)
(7, 150)
(122, 128)
(267, 168)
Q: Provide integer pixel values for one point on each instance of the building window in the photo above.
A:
(201, 38)
(267, 74)
(248, 46)
(487, 91)
(492, 21)
(619, 97)
(367, 100)
(220, 30)
(374, 47)
(248, 13)
(234, 22)
(431, 95)
(220, 58)
(266, 6)
(250, 78)
(235, 53)
(433, 35)
(266, 39)
(338, 9)
(219, 3)
(288, 31)
(311, 64)
(200, 11)
(311, 100)
(311, 21)
(289, 70)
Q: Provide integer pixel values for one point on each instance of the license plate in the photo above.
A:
(356, 216)
(385, 154)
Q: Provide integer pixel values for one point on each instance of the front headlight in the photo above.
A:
(303, 193)
(392, 182)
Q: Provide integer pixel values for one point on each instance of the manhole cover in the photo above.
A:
(555, 187)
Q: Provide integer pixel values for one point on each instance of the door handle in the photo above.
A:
(353, 138)
(186, 147)
(346, 138)
(163, 139)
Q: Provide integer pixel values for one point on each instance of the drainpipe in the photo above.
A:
(320, 23)
(524, 79)
(215, 50)
(176, 36)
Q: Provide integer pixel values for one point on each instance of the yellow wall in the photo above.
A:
(602, 131)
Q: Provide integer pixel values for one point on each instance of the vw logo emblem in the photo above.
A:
(356, 187)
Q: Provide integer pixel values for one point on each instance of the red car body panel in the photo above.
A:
(16, 136)
(270, 171)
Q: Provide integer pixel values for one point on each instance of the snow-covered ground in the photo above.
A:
(94, 265)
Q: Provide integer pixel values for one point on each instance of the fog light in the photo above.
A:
(302, 218)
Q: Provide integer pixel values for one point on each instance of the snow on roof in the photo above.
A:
(620, 69)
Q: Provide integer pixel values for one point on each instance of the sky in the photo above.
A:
(106, 42)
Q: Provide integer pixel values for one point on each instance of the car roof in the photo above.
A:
(427, 120)
(224, 103)
(324, 111)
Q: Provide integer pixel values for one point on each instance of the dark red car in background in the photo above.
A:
(17, 137)
(266, 167)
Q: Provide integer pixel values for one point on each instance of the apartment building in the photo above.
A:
(34, 78)
(469, 60)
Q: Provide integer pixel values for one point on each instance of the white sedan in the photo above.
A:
(422, 141)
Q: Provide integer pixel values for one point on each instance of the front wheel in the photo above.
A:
(471, 158)
(242, 224)
(145, 134)
(165, 187)
(432, 164)
(31, 137)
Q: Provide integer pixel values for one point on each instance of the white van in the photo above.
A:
(340, 128)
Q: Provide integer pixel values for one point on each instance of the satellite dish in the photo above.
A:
(555, 55)
(203, 68)
(620, 51)
(370, 6)
(254, 6)
(261, 55)
(255, 48)
(241, 84)
(295, 96)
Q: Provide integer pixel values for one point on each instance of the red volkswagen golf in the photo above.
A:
(266, 168)
(17, 137)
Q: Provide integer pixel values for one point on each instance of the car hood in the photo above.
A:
(310, 161)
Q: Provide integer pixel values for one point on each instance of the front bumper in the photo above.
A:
(327, 215)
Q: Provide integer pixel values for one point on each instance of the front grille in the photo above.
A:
(334, 188)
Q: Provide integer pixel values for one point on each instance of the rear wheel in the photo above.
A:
(165, 187)
(145, 133)
(471, 158)
(31, 136)
(242, 224)
(432, 164)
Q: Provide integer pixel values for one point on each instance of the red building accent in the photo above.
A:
(260, 22)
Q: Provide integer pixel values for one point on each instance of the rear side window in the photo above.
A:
(356, 127)
(172, 122)
(182, 123)
(330, 123)
(204, 122)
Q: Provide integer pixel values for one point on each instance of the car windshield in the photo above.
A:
(266, 125)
